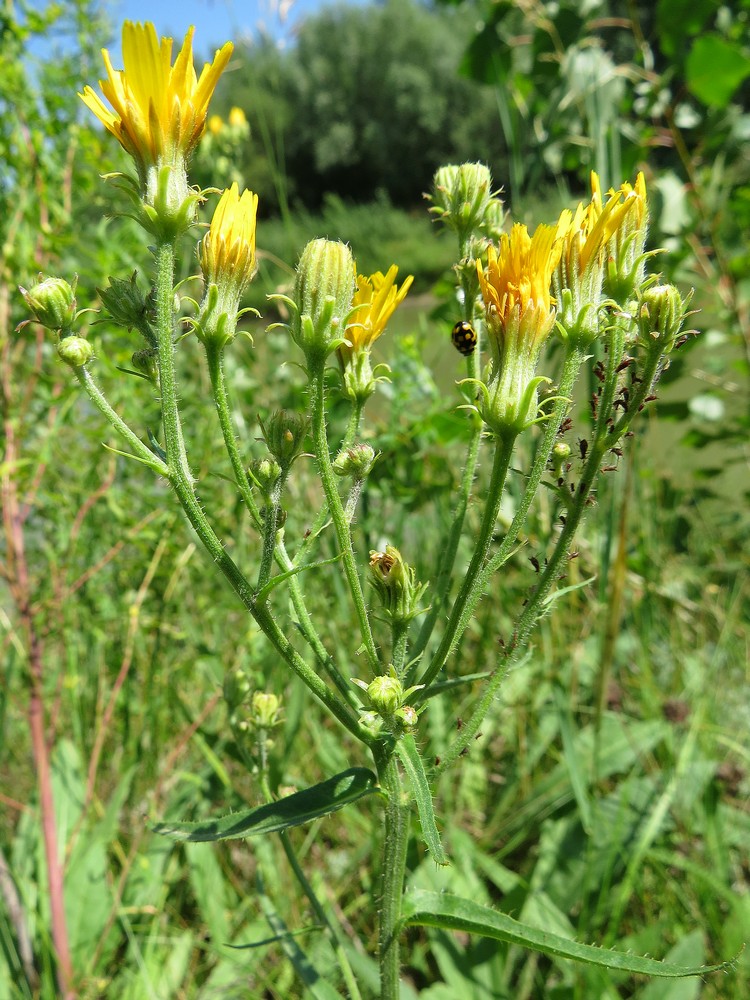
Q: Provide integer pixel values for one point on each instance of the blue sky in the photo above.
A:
(217, 21)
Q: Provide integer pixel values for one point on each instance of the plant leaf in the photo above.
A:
(406, 748)
(301, 807)
(436, 909)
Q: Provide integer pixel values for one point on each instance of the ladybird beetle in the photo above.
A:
(464, 337)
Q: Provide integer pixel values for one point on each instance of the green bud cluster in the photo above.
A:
(265, 472)
(356, 461)
(236, 688)
(463, 200)
(388, 710)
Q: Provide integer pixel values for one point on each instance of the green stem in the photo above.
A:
(97, 398)
(336, 508)
(534, 607)
(307, 628)
(355, 419)
(571, 366)
(334, 935)
(270, 528)
(503, 451)
(393, 868)
(448, 555)
(399, 643)
(182, 482)
(214, 356)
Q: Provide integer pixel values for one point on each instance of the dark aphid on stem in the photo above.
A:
(464, 338)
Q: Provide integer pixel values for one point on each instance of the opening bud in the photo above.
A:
(52, 302)
(265, 709)
(265, 472)
(661, 314)
(284, 433)
(356, 461)
(75, 351)
(394, 581)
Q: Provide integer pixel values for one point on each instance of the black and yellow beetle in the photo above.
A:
(464, 337)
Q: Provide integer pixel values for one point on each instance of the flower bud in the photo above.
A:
(237, 119)
(53, 303)
(284, 433)
(407, 717)
(323, 293)
(386, 694)
(127, 305)
(661, 314)
(266, 708)
(236, 688)
(265, 472)
(395, 583)
(463, 199)
(560, 455)
(75, 351)
(387, 697)
(356, 461)
(145, 363)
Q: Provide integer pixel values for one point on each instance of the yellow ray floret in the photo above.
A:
(518, 276)
(158, 110)
(228, 249)
(375, 301)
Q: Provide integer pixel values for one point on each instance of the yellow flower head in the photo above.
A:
(585, 232)
(215, 124)
(516, 283)
(227, 256)
(627, 241)
(375, 301)
(228, 249)
(159, 110)
(633, 194)
(237, 117)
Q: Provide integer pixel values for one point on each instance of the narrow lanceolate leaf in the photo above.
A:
(406, 748)
(302, 807)
(435, 909)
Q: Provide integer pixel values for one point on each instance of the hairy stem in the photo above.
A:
(337, 512)
(393, 868)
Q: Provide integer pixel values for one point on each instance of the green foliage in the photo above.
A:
(366, 100)
(605, 799)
